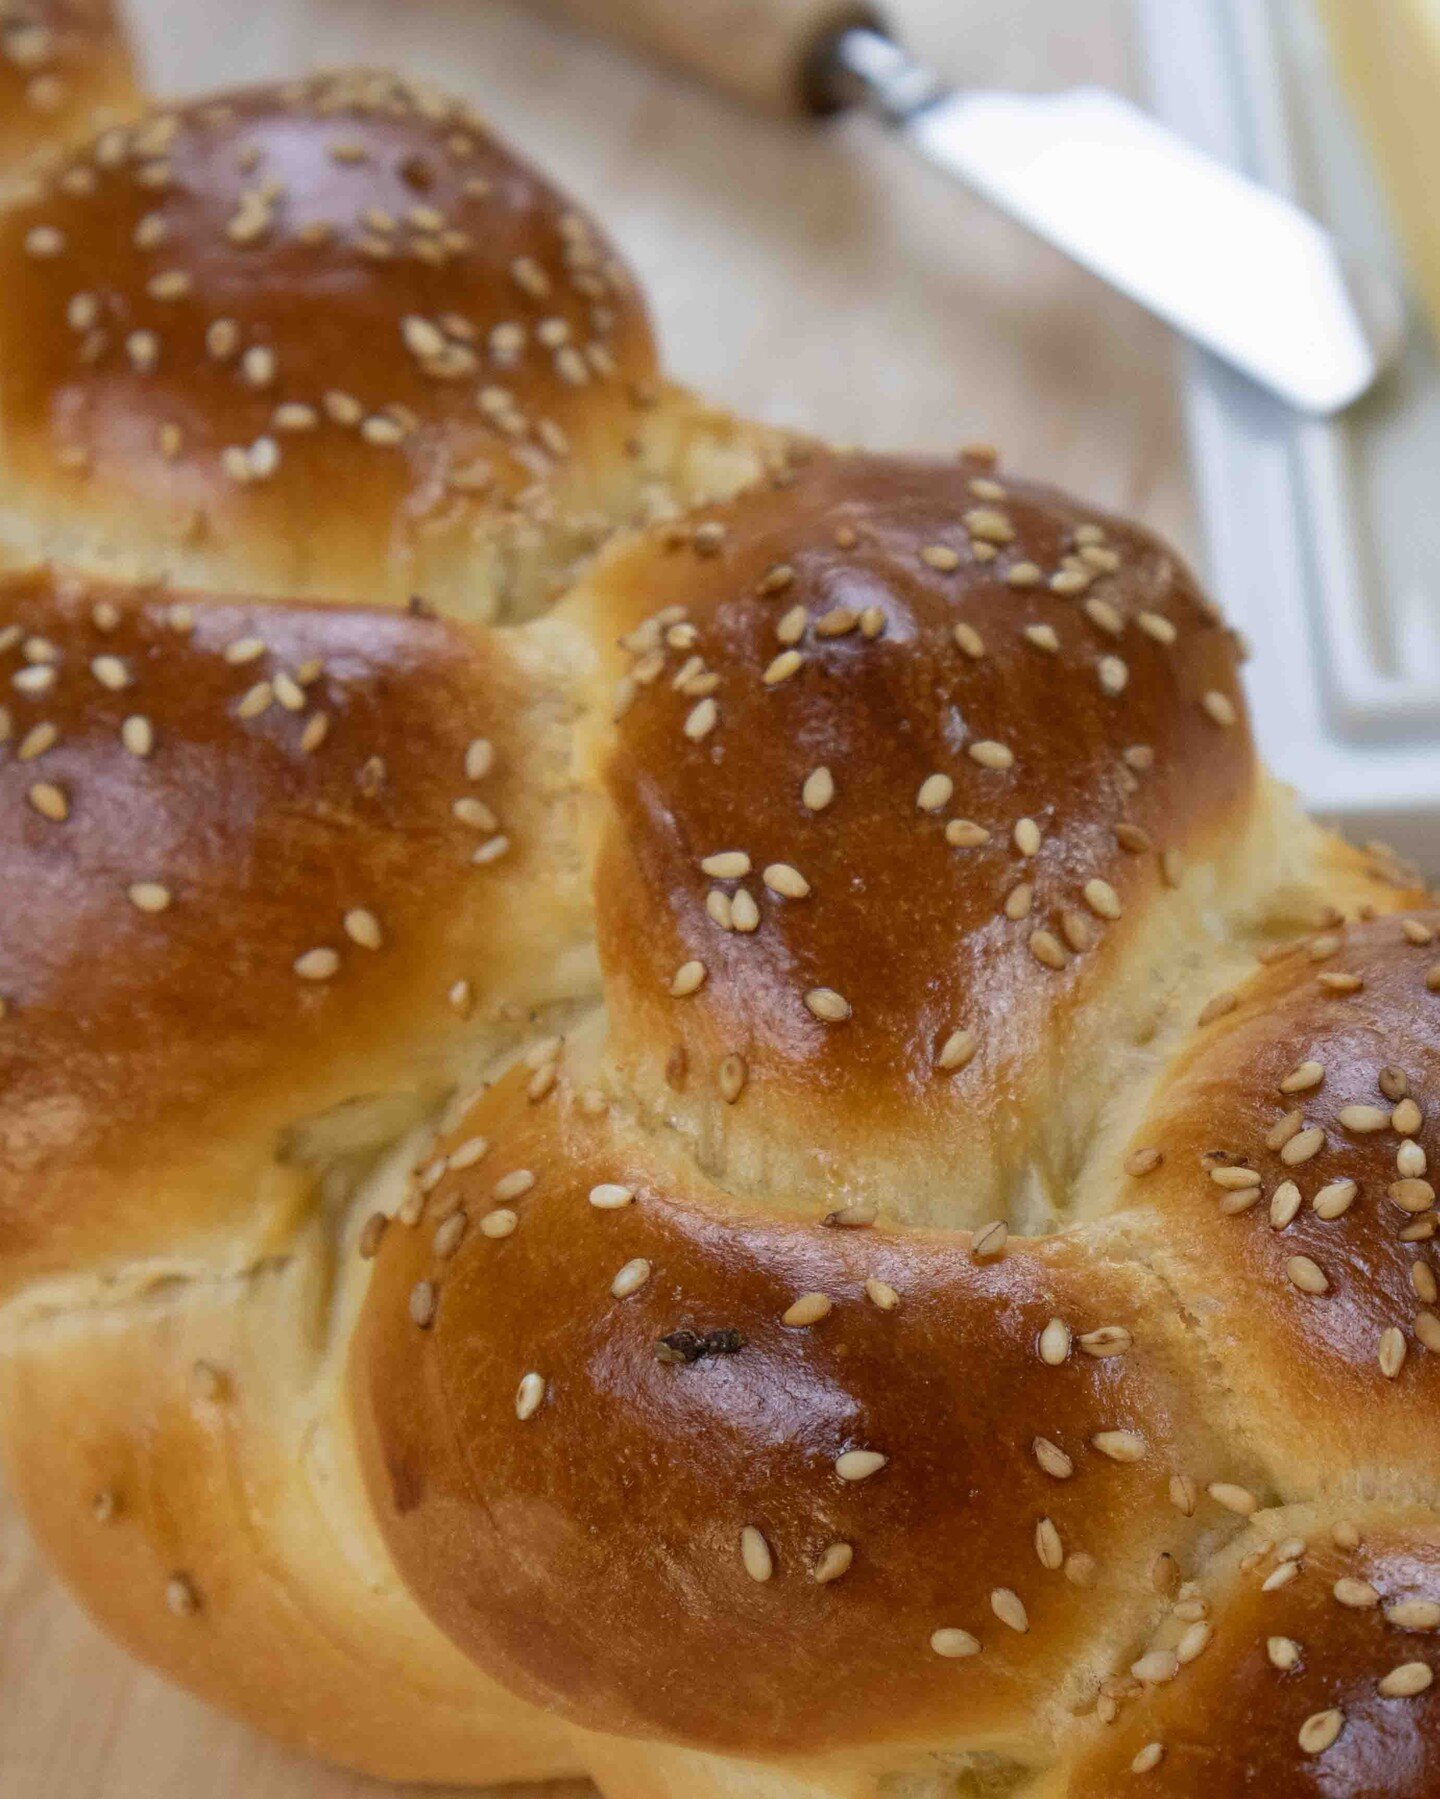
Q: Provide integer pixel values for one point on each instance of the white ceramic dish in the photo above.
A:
(1323, 538)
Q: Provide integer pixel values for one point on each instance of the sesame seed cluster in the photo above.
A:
(940, 1468)
(796, 1162)
(330, 337)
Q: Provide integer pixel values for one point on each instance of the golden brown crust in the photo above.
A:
(1295, 1202)
(808, 633)
(64, 65)
(688, 1459)
(199, 1499)
(1309, 1671)
(326, 338)
(596, 1446)
(242, 860)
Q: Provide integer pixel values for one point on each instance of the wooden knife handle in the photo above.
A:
(764, 51)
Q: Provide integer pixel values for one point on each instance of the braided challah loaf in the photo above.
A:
(787, 1178)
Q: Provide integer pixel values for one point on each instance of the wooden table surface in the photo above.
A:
(808, 276)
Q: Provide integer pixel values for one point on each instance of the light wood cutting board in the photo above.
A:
(811, 278)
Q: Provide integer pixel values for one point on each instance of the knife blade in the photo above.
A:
(1231, 264)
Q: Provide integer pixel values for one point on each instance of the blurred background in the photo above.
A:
(822, 277)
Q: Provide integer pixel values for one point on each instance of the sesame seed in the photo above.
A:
(940, 556)
(467, 1154)
(1055, 1343)
(479, 758)
(834, 1561)
(755, 1554)
(1307, 1275)
(422, 1304)
(782, 668)
(1119, 1445)
(1154, 1669)
(969, 640)
(36, 741)
(1233, 1498)
(1102, 899)
(957, 1050)
(448, 1235)
(1303, 1146)
(1052, 1459)
(1407, 1680)
(819, 789)
(688, 978)
(828, 1005)
(1153, 625)
(744, 913)
(1283, 1653)
(1363, 1119)
(1413, 1614)
(1107, 1340)
(1184, 1495)
(317, 964)
(49, 801)
(701, 719)
(148, 896)
(988, 525)
(989, 1241)
(1284, 1205)
(990, 754)
(954, 1644)
(1235, 1177)
(965, 834)
(1218, 708)
(512, 1185)
(314, 733)
(1026, 836)
(935, 791)
(859, 1464)
(529, 1396)
(1147, 1758)
(810, 1308)
(1143, 1161)
(363, 927)
(1320, 1730)
(631, 1278)
(500, 1222)
(1009, 1608)
(727, 865)
(1048, 1547)
(882, 1294)
(788, 882)
(610, 1196)
(1334, 1199)
(731, 1078)
(1047, 949)
(1042, 636)
(1406, 1118)
(1303, 1077)
(1390, 1352)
